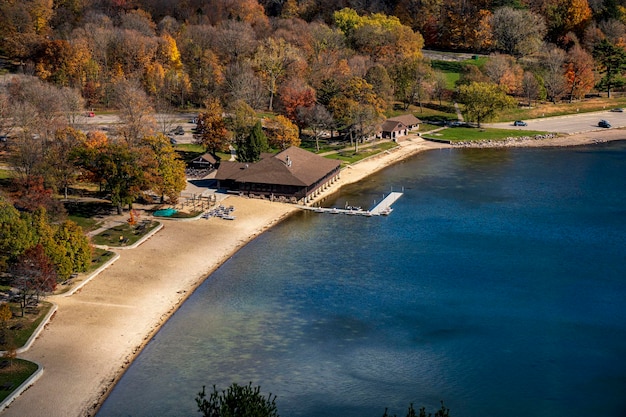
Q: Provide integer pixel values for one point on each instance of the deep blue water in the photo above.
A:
(498, 284)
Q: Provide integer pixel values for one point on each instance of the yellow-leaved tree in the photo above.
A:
(283, 133)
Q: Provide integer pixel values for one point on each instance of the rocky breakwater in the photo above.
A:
(497, 143)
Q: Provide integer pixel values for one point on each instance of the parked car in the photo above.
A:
(618, 110)
(178, 130)
(520, 123)
(604, 123)
(172, 140)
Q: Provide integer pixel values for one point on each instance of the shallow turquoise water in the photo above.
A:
(497, 284)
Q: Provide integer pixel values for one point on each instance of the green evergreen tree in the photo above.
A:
(256, 142)
(236, 401)
(611, 60)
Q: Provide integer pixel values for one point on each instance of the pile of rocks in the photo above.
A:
(493, 143)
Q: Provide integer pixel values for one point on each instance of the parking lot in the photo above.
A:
(570, 124)
(108, 122)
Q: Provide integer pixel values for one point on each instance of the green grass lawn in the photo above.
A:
(98, 258)
(128, 233)
(19, 329)
(13, 373)
(87, 213)
(325, 145)
(452, 69)
(462, 134)
(425, 127)
(190, 147)
(349, 156)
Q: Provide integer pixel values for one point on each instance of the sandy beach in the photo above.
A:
(96, 333)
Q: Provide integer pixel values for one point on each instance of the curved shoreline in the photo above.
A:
(97, 332)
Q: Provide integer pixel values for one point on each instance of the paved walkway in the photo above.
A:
(459, 115)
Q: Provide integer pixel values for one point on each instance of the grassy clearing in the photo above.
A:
(426, 127)
(98, 258)
(452, 69)
(19, 329)
(458, 134)
(87, 214)
(124, 234)
(190, 147)
(13, 373)
(349, 156)
(325, 146)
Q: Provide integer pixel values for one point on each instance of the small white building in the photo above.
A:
(396, 127)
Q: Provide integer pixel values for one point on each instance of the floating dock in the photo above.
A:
(381, 209)
(384, 207)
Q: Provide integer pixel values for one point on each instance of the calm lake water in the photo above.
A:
(498, 284)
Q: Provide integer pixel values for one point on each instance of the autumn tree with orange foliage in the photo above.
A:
(579, 73)
(504, 71)
(564, 16)
(31, 193)
(294, 96)
(211, 131)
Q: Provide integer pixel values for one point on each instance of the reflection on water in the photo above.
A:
(496, 285)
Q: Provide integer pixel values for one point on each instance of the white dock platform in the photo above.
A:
(384, 207)
(381, 209)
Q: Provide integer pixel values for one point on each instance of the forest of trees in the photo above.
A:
(284, 54)
(317, 65)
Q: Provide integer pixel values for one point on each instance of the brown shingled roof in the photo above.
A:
(392, 126)
(293, 166)
(407, 119)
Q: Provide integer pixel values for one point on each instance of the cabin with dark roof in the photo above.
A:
(397, 127)
(294, 175)
(206, 161)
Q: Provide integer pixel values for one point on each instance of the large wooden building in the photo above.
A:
(293, 175)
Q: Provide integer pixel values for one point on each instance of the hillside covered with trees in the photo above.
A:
(314, 65)
(284, 54)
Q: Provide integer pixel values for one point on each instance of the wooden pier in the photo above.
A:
(381, 209)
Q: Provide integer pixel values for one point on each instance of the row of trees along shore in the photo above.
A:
(317, 65)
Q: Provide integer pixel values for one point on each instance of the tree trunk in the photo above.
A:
(119, 208)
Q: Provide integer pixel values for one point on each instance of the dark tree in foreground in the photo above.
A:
(33, 276)
(236, 401)
(442, 412)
